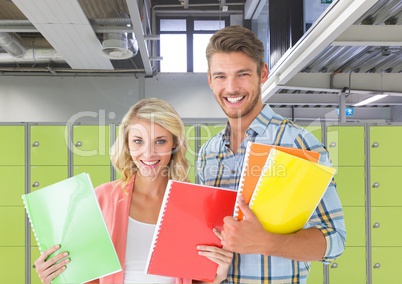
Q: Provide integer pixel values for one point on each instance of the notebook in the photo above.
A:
(288, 191)
(254, 161)
(68, 213)
(188, 214)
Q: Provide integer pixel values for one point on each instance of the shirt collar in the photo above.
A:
(258, 126)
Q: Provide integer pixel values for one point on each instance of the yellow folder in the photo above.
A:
(254, 161)
(288, 191)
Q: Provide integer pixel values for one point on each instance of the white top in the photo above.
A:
(139, 240)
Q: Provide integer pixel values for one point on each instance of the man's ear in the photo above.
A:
(264, 73)
(209, 78)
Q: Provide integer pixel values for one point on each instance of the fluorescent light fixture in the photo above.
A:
(370, 100)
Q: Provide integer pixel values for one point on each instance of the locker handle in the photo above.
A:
(376, 184)
(332, 145)
(78, 144)
(35, 144)
(377, 265)
(375, 145)
(35, 184)
(334, 265)
(376, 225)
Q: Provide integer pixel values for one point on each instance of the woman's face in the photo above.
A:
(150, 147)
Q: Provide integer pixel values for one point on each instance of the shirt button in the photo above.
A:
(233, 171)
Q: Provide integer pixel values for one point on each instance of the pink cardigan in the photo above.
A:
(115, 206)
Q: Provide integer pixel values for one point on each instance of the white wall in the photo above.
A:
(60, 99)
(107, 99)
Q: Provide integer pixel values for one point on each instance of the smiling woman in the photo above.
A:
(150, 150)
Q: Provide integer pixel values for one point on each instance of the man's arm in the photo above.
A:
(249, 237)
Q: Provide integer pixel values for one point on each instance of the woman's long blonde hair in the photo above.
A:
(156, 111)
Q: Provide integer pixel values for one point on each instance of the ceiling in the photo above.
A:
(353, 50)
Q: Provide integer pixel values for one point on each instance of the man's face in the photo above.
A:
(236, 84)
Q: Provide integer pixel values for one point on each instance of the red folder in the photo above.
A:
(188, 214)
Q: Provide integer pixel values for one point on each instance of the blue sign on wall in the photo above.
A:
(350, 111)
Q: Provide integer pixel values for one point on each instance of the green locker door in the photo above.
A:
(315, 130)
(386, 265)
(91, 145)
(385, 229)
(350, 185)
(316, 275)
(350, 267)
(209, 131)
(12, 212)
(191, 154)
(35, 253)
(12, 180)
(98, 174)
(355, 226)
(346, 145)
(12, 145)
(12, 224)
(42, 176)
(386, 186)
(49, 145)
(12, 265)
(385, 146)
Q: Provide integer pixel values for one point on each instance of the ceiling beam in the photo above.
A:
(65, 26)
(333, 22)
(139, 35)
(373, 35)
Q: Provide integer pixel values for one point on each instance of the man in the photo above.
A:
(236, 73)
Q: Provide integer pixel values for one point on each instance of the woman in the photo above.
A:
(150, 150)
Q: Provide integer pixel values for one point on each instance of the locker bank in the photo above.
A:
(69, 71)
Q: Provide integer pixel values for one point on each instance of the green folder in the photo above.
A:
(68, 213)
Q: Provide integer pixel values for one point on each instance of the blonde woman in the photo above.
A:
(150, 149)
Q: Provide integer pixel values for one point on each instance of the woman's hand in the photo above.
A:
(221, 256)
(48, 269)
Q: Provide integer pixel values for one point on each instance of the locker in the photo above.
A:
(42, 176)
(12, 145)
(91, 145)
(191, 154)
(386, 264)
(386, 186)
(12, 222)
(98, 174)
(385, 146)
(49, 145)
(350, 267)
(12, 180)
(350, 185)
(345, 145)
(355, 226)
(12, 264)
(385, 226)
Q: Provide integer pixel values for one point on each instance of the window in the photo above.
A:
(183, 42)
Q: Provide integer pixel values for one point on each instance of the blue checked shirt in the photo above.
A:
(218, 166)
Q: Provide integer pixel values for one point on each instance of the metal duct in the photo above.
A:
(12, 43)
(33, 56)
(118, 46)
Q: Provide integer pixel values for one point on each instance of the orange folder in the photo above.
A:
(188, 214)
(254, 161)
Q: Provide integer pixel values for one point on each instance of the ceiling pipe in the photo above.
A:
(12, 43)
(33, 56)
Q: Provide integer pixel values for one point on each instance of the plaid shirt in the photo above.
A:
(218, 166)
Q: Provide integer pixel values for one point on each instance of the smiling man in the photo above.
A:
(236, 72)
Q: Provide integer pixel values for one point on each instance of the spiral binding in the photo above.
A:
(30, 221)
(159, 223)
(241, 182)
